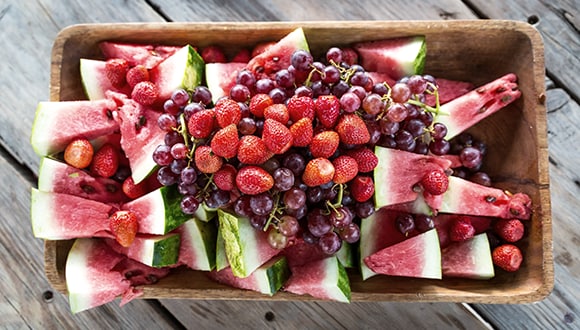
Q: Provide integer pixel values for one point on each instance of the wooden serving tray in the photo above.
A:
(477, 51)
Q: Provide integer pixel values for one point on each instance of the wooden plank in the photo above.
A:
(559, 24)
(562, 307)
(27, 32)
(26, 298)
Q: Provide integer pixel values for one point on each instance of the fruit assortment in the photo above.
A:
(278, 170)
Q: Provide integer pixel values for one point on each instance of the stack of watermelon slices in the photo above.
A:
(73, 203)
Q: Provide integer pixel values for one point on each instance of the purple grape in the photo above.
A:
(262, 204)
(201, 94)
(240, 93)
(301, 60)
(423, 223)
(188, 175)
(180, 97)
(246, 77)
(284, 78)
(365, 210)
(350, 102)
(330, 243)
(470, 157)
(167, 122)
(439, 147)
(350, 233)
(334, 54)
(318, 223)
(405, 223)
(288, 226)
(162, 155)
(341, 217)
(330, 75)
(166, 177)
(283, 179)
(242, 206)
(294, 198)
(189, 204)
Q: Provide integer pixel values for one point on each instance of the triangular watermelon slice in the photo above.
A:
(221, 77)
(95, 81)
(468, 259)
(183, 69)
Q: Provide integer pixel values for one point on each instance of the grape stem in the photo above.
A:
(272, 215)
(338, 203)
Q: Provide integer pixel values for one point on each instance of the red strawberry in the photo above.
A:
(136, 75)
(352, 129)
(227, 111)
(132, 190)
(79, 153)
(435, 182)
(105, 161)
(259, 103)
(327, 108)
(277, 137)
(365, 158)
(201, 123)
(206, 161)
(145, 93)
(461, 230)
(278, 112)
(362, 188)
(116, 70)
(508, 257)
(253, 180)
(318, 171)
(300, 107)
(213, 54)
(124, 225)
(511, 230)
(225, 178)
(345, 169)
(302, 132)
(253, 150)
(225, 141)
(243, 56)
(324, 144)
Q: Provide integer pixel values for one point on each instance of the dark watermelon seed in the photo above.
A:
(490, 199)
(88, 189)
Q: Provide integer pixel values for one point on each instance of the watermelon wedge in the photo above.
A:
(468, 259)
(470, 108)
(59, 177)
(397, 57)
(198, 244)
(418, 256)
(323, 279)
(266, 279)
(221, 77)
(137, 54)
(95, 81)
(61, 216)
(183, 69)
(56, 124)
(444, 221)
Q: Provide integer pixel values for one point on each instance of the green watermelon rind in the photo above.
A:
(173, 213)
(203, 236)
(419, 64)
(184, 69)
(164, 250)
(343, 283)
(483, 269)
(221, 258)
(234, 243)
(276, 274)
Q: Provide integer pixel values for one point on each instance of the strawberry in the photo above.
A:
(259, 103)
(510, 230)
(435, 182)
(352, 129)
(79, 153)
(324, 144)
(132, 190)
(213, 54)
(461, 230)
(136, 75)
(225, 178)
(278, 112)
(365, 158)
(253, 180)
(345, 169)
(300, 107)
(124, 226)
(105, 161)
(507, 257)
(362, 188)
(201, 123)
(243, 56)
(145, 93)
(318, 171)
(277, 137)
(225, 141)
(302, 132)
(253, 150)
(327, 109)
(206, 161)
(116, 70)
(227, 111)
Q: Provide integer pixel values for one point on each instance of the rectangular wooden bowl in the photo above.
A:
(478, 51)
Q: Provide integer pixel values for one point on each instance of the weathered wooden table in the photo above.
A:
(27, 30)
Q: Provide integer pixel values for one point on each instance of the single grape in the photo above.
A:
(439, 147)
(317, 71)
(365, 209)
(400, 93)
(340, 88)
(421, 148)
(320, 88)
(470, 157)
(397, 112)
(426, 117)
(217, 198)
(189, 204)
(162, 155)
(240, 93)
(359, 78)
(380, 89)
(334, 54)
(301, 60)
(374, 131)
(166, 177)
(177, 165)
(170, 107)
(201, 94)
(373, 104)
(439, 131)
(262, 204)
(283, 178)
(180, 97)
(167, 122)
(242, 206)
(341, 217)
(278, 95)
(247, 126)
(192, 108)
(276, 239)
(387, 141)
(295, 162)
(309, 238)
(359, 91)
(271, 165)
(294, 198)
(303, 91)
(258, 221)
(413, 111)
(264, 85)
(405, 223)
(481, 178)
(318, 223)
(284, 78)
(423, 223)
(246, 77)
(179, 151)
(350, 102)
(298, 213)
(405, 140)
(288, 226)
(350, 233)
(187, 189)
(188, 175)
(330, 243)
(330, 75)
(388, 127)
(314, 194)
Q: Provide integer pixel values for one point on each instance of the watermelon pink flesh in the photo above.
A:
(221, 77)
(468, 259)
(448, 90)
(468, 109)
(95, 81)
(466, 197)
(62, 216)
(137, 54)
(419, 256)
(139, 141)
(397, 57)
(444, 221)
(399, 171)
(56, 124)
(59, 177)
(379, 77)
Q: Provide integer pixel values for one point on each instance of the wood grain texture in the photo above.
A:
(23, 303)
(559, 24)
